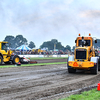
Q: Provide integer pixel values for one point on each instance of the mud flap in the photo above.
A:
(70, 69)
(70, 58)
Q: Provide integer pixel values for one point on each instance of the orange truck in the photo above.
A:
(85, 56)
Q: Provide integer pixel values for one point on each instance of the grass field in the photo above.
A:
(37, 64)
(87, 95)
(40, 58)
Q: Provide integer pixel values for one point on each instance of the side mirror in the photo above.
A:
(75, 41)
(95, 41)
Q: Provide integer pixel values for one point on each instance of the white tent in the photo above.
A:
(23, 48)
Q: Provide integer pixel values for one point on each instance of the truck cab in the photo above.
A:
(84, 41)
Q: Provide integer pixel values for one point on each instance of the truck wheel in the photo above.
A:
(16, 59)
(99, 68)
(71, 70)
(1, 60)
(95, 71)
(99, 64)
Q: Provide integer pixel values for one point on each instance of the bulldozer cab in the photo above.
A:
(84, 41)
(87, 42)
(4, 46)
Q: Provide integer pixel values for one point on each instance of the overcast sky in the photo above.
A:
(43, 20)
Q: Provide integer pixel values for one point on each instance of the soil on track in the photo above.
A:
(42, 82)
(51, 60)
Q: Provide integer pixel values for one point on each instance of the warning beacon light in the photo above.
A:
(79, 34)
(89, 34)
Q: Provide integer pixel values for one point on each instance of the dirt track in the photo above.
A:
(51, 60)
(42, 82)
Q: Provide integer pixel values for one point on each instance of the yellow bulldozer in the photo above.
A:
(85, 56)
(7, 56)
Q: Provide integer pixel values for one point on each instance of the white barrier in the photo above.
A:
(42, 56)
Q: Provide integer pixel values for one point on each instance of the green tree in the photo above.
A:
(20, 40)
(10, 40)
(68, 48)
(48, 45)
(15, 41)
(59, 46)
(53, 44)
(73, 48)
(54, 41)
(31, 45)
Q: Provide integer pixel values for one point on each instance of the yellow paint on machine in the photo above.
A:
(81, 65)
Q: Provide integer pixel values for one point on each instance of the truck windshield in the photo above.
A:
(87, 42)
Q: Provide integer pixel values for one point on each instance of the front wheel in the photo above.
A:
(95, 71)
(71, 70)
(16, 59)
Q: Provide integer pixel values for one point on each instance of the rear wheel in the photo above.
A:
(1, 60)
(16, 59)
(99, 67)
(99, 64)
(71, 70)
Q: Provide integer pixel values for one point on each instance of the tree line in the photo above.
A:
(20, 40)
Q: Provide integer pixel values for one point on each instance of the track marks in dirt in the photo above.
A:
(41, 82)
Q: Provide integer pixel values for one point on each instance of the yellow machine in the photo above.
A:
(85, 56)
(37, 51)
(7, 56)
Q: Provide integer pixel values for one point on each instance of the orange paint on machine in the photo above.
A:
(75, 64)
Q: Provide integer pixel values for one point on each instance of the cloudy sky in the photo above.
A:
(43, 20)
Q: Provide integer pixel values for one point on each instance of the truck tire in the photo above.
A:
(1, 60)
(99, 64)
(94, 71)
(16, 59)
(99, 68)
(71, 70)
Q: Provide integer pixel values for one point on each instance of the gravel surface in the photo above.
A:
(49, 82)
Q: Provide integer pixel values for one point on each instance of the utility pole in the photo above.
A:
(54, 47)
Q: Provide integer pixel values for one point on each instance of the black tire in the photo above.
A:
(99, 64)
(16, 59)
(1, 60)
(99, 68)
(95, 71)
(71, 70)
